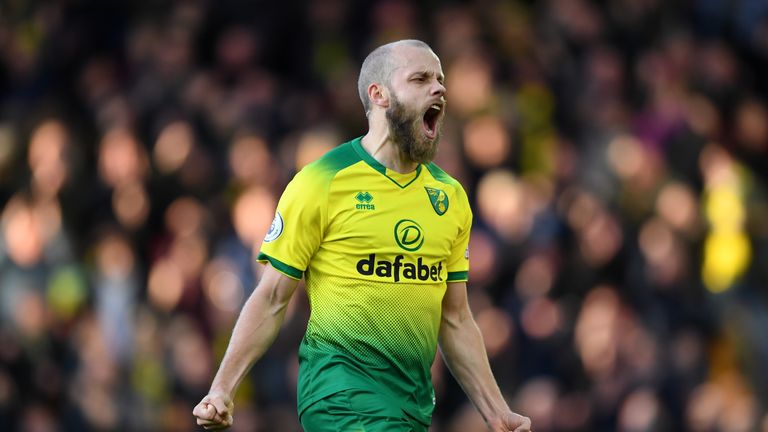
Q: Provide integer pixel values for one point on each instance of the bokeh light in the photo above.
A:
(727, 249)
(626, 155)
(640, 411)
(535, 276)
(541, 318)
(312, 145)
(114, 257)
(165, 284)
(704, 407)
(130, 203)
(189, 255)
(252, 214)
(47, 157)
(538, 399)
(703, 116)
(30, 315)
(250, 160)
(502, 202)
(596, 331)
(185, 217)
(661, 250)
(471, 84)
(579, 207)
(222, 286)
(486, 142)
(752, 125)
(678, 205)
(66, 292)
(27, 226)
(496, 328)
(173, 146)
(601, 239)
(122, 160)
(483, 256)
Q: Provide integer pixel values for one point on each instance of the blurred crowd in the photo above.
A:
(615, 154)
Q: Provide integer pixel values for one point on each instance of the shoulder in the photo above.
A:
(328, 165)
(322, 171)
(336, 160)
(443, 177)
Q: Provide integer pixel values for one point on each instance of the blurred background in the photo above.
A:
(615, 154)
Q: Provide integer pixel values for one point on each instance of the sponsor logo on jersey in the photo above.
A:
(439, 200)
(398, 269)
(364, 201)
(275, 229)
(408, 235)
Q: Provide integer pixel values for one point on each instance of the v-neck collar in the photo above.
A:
(390, 174)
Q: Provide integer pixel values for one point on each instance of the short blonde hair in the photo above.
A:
(378, 67)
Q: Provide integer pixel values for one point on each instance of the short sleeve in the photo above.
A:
(458, 262)
(298, 226)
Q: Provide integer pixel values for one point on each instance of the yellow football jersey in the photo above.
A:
(376, 248)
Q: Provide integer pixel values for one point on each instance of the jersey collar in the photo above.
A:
(376, 165)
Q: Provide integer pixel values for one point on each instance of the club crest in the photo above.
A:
(439, 200)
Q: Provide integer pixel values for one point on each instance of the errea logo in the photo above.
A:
(364, 201)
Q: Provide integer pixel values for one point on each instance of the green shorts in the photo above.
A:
(356, 410)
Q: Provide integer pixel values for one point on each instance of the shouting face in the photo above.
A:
(417, 104)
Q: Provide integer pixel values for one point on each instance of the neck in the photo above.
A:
(380, 145)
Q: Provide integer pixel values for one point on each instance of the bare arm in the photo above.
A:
(464, 352)
(255, 330)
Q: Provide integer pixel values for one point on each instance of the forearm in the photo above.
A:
(256, 328)
(462, 347)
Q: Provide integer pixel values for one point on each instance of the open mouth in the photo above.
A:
(431, 117)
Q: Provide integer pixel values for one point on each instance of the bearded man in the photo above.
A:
(380, 235)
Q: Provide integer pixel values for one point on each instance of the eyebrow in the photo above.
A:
(426, 73)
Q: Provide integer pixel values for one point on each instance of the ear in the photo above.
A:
(378, 95)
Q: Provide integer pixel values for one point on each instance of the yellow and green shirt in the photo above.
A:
(376, 249)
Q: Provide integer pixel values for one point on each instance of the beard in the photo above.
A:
(405, 128)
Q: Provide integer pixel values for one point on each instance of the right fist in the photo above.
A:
(214, 411)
